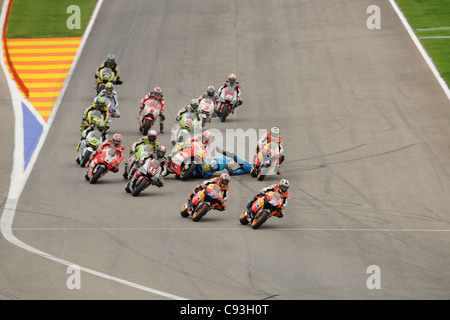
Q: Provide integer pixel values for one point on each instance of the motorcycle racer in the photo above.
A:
(156, 94)
(115, 143)
(159, 154)
(282, 188)
(110, 63)
(111, 94)
(210, 93)
(190, 108)
(232, 82)
(223, 182)
(244, 166)
(150, 139)
(100, 125)
(272, 136)
(99, 104)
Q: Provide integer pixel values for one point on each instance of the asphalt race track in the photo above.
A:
(365, 125)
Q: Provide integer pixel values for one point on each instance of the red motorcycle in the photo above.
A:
(148, 115)
(190, 156)
(149, 173)
(106, 160)
(227, 102)
(262, 209)
(202, 202)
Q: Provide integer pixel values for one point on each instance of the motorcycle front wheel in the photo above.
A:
(139, 187)
(200, 212)
(97, 174)
(260, 217)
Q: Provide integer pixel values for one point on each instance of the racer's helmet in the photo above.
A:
(206, 137)
(211, 91)
(195, 103)
(109, 87)
(110, 61)
(224, 180)
(274, 133)
(161, 152)
(101, 125)
(117, 139)
(284, 185)
(232, 78)
(152, 135)
(101, 102)
(157, 92)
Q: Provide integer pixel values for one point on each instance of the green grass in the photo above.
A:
(46, 18)
(423, 15)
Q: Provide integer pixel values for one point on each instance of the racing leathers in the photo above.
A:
(162, 101)
(109, 144)
(276, 188)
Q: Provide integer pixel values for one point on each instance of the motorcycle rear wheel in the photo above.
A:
(86, 158)
(224, 113)
(187, 173)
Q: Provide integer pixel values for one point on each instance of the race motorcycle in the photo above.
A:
(227, 102)
(143, 150)
(186, 159)
(148, 115)
(266, 161)
(181, 131)
(87, 146)
(104, 161)
(262, 209)
(206, 110)
(93, 116)
(104, 76)
(149, 173)
(202, 202)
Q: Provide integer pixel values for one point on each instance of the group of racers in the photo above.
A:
(106, 102)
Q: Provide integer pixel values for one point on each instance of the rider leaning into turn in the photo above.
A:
(223, 182)
(150, 139)
(160, 155)
(110, 63)
(115, 143)
(156, 94)
(282, 188)
(99, 104)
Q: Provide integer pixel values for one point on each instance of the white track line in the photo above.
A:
(19, 177)
(422, 50)
(228, 229)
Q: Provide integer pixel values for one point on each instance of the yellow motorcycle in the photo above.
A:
(103, 77)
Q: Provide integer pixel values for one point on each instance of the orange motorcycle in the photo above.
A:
(202, 202)
(262, 209)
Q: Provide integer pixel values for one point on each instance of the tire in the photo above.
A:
(259, 219)
(261, 177)
(198, 214)
(86, 158)
(140, 186)
(224, 113)
(184, 211)
(243, 220)
(97, 174)
(186, 174)
(147, 125)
